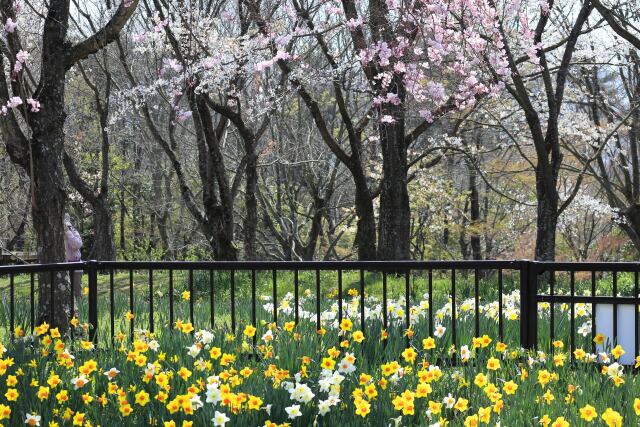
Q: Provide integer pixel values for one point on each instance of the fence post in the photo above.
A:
(528, 305)
(92, 270)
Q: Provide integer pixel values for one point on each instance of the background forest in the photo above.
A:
(316, 129)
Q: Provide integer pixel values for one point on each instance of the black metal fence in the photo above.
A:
(550, 283)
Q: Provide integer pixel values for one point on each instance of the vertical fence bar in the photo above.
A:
(295, 296)
(233, 301)
(170, 299)
(253, 304)
(32, 284)
(533, 303)
(52, 296)
(92, 267)
(593, 311)
(528, 305)
(500, 291)
(552, 313)
(71, 297)
(615, 307)
(339, 298)
(274, 281)
(385, 315)
(131, 322)
(362, 302)
(635, 312)
(12, 305)
(453, 308)
(112, 317)
(212, 300)
(430, 302)
(476, 299)
(407, 303)
(318, 299)
(191, 297)
(151, 325)
(572, 290)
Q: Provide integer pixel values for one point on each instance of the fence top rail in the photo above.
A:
(391, 266)
(267, 265)
(542, 266)
(308, 265)
(40, 268)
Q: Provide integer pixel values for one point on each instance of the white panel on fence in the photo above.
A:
(626, 330)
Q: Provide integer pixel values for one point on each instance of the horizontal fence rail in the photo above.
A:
(543, 300)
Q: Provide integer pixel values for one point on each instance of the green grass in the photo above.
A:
(222, 295)
(418, 284)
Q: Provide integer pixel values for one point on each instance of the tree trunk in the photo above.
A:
(308, 251)
(47, 147)
(17, 241)
(136, 190)
(547, 220)
(251, 203)
(123, 212)
(631, 225)
(474, 209)
(44, 148)
(462, 239)
(365, 240)
(103, 247)
(395, 213)
(47, 213)
(163, 221)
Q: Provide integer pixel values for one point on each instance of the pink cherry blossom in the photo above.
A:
(352, 24)
(22, 56)
(184, 116)
(14, 102)
(173, 64)
(10, 26)
(34, 105)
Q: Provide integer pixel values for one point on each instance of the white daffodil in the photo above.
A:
(220, 419)
(112, 373)
(32, 420)
(293, 411)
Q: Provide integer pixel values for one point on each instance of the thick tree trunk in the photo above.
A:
(103, 247)
(44, 148)
(308, 251)
(365, 240)
(221, 240)
(474, 209)
(251, 203)
(547, 220)
(395, 213)
(47, 148)
(47, 213)
(395, 216)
